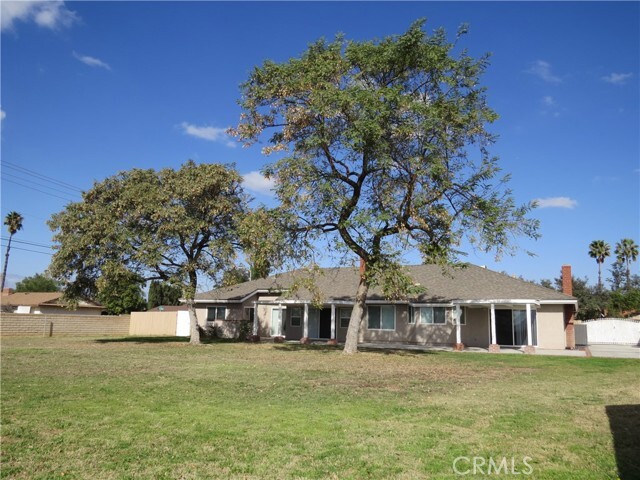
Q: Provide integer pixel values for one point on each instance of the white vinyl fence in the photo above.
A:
(621, 331)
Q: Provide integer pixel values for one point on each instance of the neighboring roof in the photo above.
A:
(169, 308)
(35, 299)
(471, 283)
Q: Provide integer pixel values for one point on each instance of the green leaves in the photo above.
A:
(387, 149)
(170, 225)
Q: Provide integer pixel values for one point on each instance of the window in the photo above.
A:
(412, 319)
(216, 313)
(432, 315)
(463, 315)
(345, 316)
(381, 318)
(296, 316)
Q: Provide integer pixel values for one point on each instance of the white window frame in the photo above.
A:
(215, 316)
(463, 315)
(296, 312)
(433, 316)
(393, 307)
(342, 310)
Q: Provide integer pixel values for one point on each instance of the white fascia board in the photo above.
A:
(497, 301)
(445, 304)
(241, 300)
(558, 302)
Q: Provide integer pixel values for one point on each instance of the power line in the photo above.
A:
(26, 242)
(34, 251)
(38, 190)
(42, 176)
(5, 174)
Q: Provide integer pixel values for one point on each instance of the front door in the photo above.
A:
(325, 323)
(504, 327)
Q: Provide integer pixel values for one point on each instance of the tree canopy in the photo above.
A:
(170, 225)
(383, 148)
(38, 283)
(13, 221)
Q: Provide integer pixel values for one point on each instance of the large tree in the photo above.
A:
(13, 221)
(38, 283)
(599, 249)
(383, 150)
(169, 225)
(626, 252)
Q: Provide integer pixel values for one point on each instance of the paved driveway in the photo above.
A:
(615, 351)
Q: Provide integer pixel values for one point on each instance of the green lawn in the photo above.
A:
(87, 408)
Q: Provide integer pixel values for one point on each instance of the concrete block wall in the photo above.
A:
(12, 324)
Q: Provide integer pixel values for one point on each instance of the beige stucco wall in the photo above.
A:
(235, 313)
(476, 331)
(550, 320)
(416, 332)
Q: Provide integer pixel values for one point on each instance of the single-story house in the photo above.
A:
(470, 306)
(47, 303)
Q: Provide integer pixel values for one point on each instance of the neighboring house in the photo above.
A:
(472, 306)
(47, 303)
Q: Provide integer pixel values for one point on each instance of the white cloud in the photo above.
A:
(91, 61)
(213, 134)
(2, 114)
(256, 182)
(556, 202)
(542, 69)
(548, 101)
(617, 78)
(51, 14)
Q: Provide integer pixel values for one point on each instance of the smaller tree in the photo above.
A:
(234, 276)
(38, 283)
(627, 252)
(163, 293)
(617, 278)
(268, 243)
(120, 292)
(599, 249)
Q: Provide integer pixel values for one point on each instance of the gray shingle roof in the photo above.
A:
(471, 283)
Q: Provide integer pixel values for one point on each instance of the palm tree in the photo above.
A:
(599, 249)
(13, 221)
(627, 252)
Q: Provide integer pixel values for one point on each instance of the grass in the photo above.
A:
(143, 408)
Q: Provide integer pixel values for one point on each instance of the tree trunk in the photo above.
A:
(357, 314)
(193, 321)
(600, 277)
(6, 261)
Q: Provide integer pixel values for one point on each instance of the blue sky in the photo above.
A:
(89, 89)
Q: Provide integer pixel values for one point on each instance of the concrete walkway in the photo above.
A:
(615, 351)
(507, 350)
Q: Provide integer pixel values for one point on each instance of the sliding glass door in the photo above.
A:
(511, 327)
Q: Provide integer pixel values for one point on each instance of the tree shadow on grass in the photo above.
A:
(203, 341)
(144, 340)
(319, 347)
(624, 421)
(299, 347)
